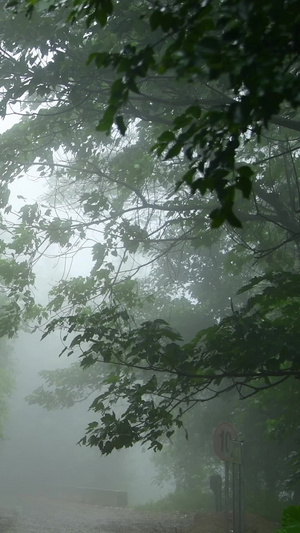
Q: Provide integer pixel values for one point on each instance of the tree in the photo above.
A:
(6, 376)
(114, 198)
(191, 42)
(266, 423)
(268, 419)
(155, 377)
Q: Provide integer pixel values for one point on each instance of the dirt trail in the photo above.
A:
(49, 515)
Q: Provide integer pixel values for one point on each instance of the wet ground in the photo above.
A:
(49, 515)
(40, 514)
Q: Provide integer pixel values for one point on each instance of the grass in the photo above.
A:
(187, 501)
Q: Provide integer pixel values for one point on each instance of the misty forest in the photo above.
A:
(149, 267)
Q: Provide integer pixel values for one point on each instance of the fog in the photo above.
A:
(40, 453)
(149, 233)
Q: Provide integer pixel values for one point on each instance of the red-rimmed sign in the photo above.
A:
(224, 436)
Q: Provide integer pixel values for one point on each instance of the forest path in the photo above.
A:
(41, 514)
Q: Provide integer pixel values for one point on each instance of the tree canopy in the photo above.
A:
(212, 87)
(156, 377)
(252, 51)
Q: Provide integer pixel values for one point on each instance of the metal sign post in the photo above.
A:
(230, 450)
(226, 497)
(216, 487)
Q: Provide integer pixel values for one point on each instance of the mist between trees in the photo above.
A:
(160, 145)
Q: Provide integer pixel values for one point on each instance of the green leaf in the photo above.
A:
(188, 177)
(290, 520)
(254, 281)
(182, 121)
(174, 151)
(120, 124)
(232, 219)
(154, 19)
(217, 217)
(101, 59)
(244, 182)
(105, 124)
(194, 110)
(166, 137)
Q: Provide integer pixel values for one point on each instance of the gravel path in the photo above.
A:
(48, 515)
(39, 514)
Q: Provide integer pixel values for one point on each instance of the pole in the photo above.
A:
(235, 498)
(226, 497)
(242, 492)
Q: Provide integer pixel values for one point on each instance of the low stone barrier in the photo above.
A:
(92, 496)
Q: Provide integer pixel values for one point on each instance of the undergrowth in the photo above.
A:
(187, 501)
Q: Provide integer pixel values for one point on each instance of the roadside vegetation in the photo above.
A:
(167, 138)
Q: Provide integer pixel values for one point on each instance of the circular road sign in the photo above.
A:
(223, 437)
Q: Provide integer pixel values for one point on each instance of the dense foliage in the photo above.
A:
(267, 423)
(290, 519)
(152, 360)
(149, 316)
(251, 48)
